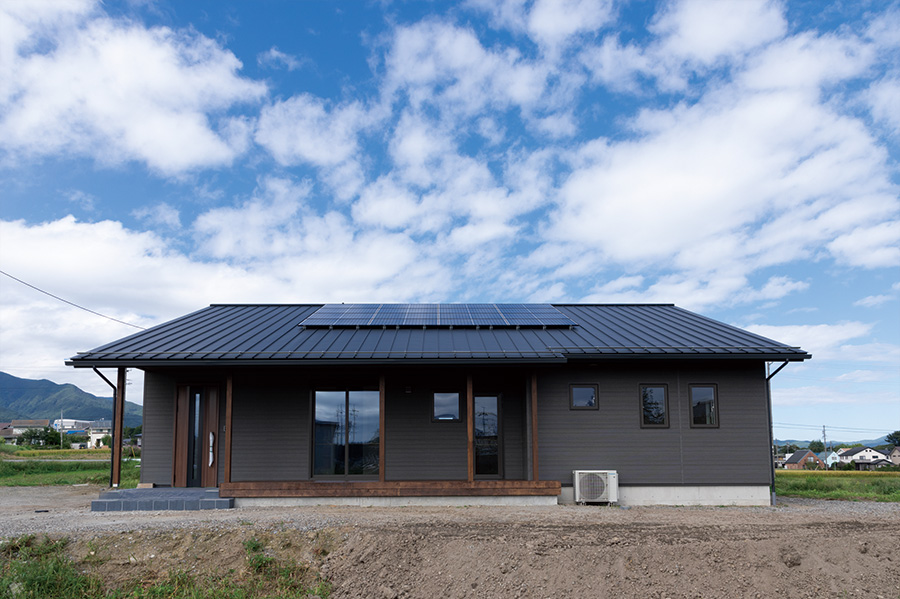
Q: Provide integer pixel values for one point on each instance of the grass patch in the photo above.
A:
(40, 568)
(31, 473)
(848, 485)
(6, 448)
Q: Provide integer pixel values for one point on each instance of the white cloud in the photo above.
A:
(550, 23)
(815, 394)
(873, 301)
(160, 214)
(117, 91)
(698, 31)
(823, 341)
(275, 58)
(440, 65)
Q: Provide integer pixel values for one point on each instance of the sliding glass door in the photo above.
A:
(346, 433)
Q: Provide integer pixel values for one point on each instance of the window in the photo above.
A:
(446, 407)
(346, 433)
(654, 406)
(583, 397)
(704, 411)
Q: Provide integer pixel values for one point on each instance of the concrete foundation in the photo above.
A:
(747, 495)
(395, 501)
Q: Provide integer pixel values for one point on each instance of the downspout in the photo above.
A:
(115, 391)
(771, 432)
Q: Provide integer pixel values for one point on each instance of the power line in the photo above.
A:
(816, 427)
(65, 301)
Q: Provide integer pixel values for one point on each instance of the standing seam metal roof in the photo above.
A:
(267, 333)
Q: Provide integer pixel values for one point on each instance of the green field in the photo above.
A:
(847, 485)
(31, 473)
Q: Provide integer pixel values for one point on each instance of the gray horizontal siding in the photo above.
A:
(157, 441)
(610, 438)
(417, 448)
(270, 434)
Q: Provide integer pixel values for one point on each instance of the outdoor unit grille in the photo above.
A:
(594, 486)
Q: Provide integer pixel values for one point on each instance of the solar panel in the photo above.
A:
(437, 315)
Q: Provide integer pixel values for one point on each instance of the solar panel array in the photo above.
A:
(437, 315)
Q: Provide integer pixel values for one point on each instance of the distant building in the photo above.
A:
(861, 454)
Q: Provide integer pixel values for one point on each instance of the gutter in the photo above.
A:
(771, 432)
(115, 393)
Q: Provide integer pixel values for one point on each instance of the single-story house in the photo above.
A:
(20, 426)
(804, 459)
(478, 402)
(873, 465)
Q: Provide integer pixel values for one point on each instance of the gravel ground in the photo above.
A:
(802, 548)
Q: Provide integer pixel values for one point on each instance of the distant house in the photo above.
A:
(7, 433)
(894, 456)
(20, 426)
(455, 401)
(800, 459)
(873, 465)
(830, 458)
(861, 454)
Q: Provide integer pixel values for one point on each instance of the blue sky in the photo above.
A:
(738, 159)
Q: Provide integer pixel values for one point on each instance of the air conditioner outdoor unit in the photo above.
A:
(594, 486)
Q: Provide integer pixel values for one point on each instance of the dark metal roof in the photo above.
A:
(271, 334)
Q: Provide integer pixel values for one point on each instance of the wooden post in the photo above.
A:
(470, 427)
(118, 418)
(534, 429)
(381, 447)
(229, 393)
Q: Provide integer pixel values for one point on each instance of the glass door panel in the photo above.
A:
(364, 433)
(330, 443)
(487, 435)
(346, 436)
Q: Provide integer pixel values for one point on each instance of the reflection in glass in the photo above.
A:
(329, 432)
(703, 406)
(653, 405)
(584, 396)
(446, 406)
(346, 433)
(364, 437)
(487, 437)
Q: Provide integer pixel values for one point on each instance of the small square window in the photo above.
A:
(654, 406)
(446, 407)
(704, 406)
(583, 397)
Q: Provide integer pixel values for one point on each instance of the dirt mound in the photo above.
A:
(504, 554)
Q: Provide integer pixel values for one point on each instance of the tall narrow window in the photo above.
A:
(654, 406)
(347, 436)
(704, 406)
(487, 435)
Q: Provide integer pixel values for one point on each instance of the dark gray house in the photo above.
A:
(479, 402)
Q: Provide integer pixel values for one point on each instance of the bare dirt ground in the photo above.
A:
(802, 548)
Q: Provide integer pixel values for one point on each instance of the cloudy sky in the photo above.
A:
(739, 159)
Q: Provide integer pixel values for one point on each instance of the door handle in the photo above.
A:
(212, 439)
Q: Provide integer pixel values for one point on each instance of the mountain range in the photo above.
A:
(866, 442)
(28, 398)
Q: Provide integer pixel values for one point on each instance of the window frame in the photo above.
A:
(665, 388)
(596, 388)
(459, 410)
(718, 417)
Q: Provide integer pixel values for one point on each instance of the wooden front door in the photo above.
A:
(196, 436)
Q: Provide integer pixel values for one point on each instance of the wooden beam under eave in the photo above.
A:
(534, 429)
(118, 419)
(470, 427)
(381, 447)
(229, 394)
